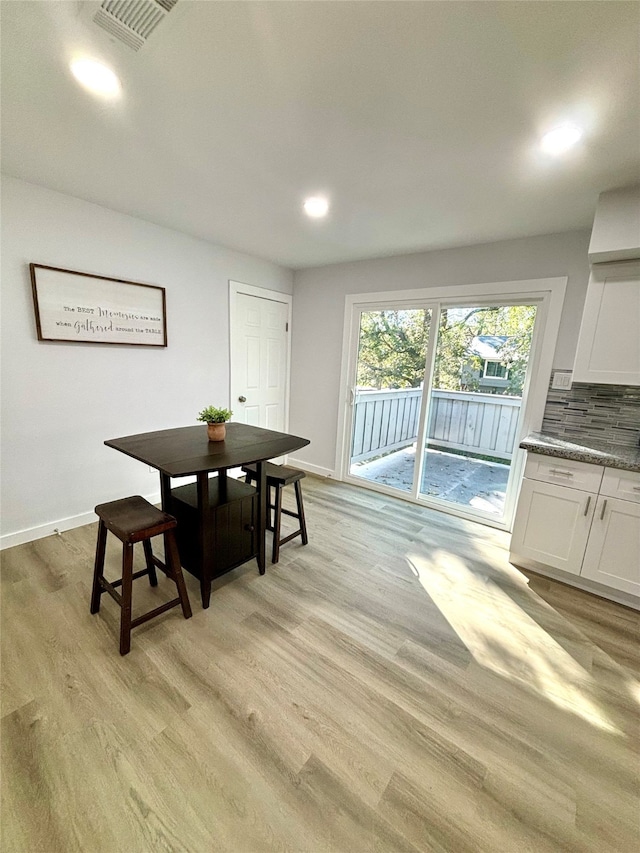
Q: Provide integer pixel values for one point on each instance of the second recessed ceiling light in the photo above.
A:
(561, 138)
(316, 207)
(96, 77)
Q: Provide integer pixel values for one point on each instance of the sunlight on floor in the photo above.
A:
(504, 638)
(484, 505)
(634, 690)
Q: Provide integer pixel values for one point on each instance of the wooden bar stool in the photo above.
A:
(279, 476)
(135, 520)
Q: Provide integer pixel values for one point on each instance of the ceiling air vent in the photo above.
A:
(132, 21)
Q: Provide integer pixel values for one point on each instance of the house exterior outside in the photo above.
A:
(493, 375)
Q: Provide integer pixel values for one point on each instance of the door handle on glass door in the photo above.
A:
(242, 399)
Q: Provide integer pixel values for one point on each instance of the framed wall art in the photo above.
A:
(84, 308)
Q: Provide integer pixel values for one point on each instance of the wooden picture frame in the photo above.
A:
(79, 307)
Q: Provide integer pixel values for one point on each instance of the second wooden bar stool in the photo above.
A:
(279, 476)
(136, 520)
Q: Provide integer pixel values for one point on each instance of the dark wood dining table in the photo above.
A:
(186, 451)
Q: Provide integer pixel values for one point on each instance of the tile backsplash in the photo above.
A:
(609, 413)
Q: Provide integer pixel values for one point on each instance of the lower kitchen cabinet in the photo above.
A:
(552, 525)
(613, 551)
(584, 529)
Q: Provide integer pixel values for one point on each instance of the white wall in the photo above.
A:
(60, 401)
(318, 314)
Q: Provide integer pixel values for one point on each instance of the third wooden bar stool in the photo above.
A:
(136, 520)
(279, 476)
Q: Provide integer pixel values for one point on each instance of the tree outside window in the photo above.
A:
(393, 345)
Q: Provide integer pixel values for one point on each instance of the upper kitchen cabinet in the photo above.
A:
(616, 227)
(609, 343)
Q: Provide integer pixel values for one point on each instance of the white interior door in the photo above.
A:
(259, 356)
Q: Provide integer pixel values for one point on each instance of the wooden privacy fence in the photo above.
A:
(485, 424)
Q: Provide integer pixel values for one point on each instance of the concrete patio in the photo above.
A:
(458, 479)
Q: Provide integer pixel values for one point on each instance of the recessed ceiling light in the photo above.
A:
(316, 207)
(561, 138)
(96, 77)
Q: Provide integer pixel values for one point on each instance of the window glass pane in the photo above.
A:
(482, 353)
(390, 374)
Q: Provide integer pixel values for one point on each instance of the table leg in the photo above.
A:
(261, 484)
(205, 537)
(165, 492)
(222, 485)
(165, 502)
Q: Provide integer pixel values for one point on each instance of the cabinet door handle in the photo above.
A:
(586, 509)
(559, 471)
(604, 506)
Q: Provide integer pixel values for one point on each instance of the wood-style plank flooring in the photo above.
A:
(395, 685)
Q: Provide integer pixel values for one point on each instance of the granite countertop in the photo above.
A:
(599, 453)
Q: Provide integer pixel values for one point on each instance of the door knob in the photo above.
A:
(242, 399)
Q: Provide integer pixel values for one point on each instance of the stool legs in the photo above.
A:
(127, 584)
(175, 569)
(302, 532)
(276, 506)
(277, 519)
(303, 523)
(98, 568)
(151, 568)
(124, 598)
(268, 523)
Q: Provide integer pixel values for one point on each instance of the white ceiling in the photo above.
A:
(418, 120)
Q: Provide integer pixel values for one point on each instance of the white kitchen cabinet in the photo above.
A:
(552, 524)
(613, 550)
(587, 532)
(616, 227)
(609, 343)
(564, 472)
(613, 553)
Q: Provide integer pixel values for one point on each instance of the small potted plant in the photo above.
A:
(215, 420)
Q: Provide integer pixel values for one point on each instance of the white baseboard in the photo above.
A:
(8, 540)
(318, 470)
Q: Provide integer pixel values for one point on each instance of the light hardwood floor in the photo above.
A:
(395, 685)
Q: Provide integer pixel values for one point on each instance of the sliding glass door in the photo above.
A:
(474, 403)
(387, 397)
(437, 402)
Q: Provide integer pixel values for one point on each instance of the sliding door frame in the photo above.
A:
(548, 297)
